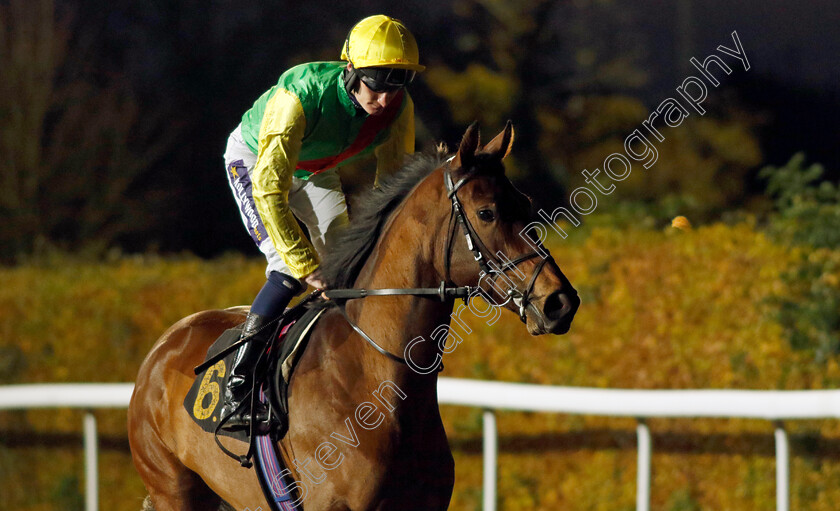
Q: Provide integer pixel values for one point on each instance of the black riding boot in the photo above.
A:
(242, 371)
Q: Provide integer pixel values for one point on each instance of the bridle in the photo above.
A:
(482, 255)
(488, 263)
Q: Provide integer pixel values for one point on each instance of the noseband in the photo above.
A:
(488, 263)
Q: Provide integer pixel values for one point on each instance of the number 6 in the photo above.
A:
(211, 387)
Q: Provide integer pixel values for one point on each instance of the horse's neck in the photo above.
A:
(403, 258)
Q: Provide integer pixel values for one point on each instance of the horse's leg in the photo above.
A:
(171, 485)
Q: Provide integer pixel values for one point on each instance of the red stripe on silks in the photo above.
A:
(371, 127)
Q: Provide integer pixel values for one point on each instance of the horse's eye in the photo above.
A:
(486, 215)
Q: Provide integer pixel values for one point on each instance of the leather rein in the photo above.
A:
(482, 256)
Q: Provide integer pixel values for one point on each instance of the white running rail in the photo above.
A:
(775, 406)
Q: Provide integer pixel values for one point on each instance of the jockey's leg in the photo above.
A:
(319, 203)
(271, 301)
(274, 296)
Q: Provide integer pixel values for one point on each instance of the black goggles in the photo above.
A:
(385, 79)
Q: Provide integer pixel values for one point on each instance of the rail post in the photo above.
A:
(91, 463)
(643, 466)
(782, 468)
(491, 452)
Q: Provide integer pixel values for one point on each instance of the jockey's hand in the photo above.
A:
(315, 280)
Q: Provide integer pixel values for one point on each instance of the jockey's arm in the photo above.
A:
(390, 155)
(281, 135)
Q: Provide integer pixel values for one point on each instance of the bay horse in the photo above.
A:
(436, 223)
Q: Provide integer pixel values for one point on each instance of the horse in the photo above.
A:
(364, 430)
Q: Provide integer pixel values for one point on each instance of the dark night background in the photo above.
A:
(116, 113)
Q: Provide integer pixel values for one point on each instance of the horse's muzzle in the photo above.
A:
(558, 310)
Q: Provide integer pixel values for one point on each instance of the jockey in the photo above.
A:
(281, 163)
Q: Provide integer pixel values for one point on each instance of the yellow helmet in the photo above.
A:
(381, 41)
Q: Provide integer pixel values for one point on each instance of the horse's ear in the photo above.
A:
(502, 144)
(469, 144)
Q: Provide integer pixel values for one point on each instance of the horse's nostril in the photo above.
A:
(556, 305)
(559, 305)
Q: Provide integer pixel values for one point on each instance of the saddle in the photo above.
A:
(272, 374)
(270, 389)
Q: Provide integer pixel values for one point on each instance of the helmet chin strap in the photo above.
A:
(351, 83)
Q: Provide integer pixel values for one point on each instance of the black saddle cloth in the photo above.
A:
(206, 395)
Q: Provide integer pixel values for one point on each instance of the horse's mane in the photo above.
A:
(356, 241)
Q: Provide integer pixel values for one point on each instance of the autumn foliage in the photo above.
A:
(662, 308)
